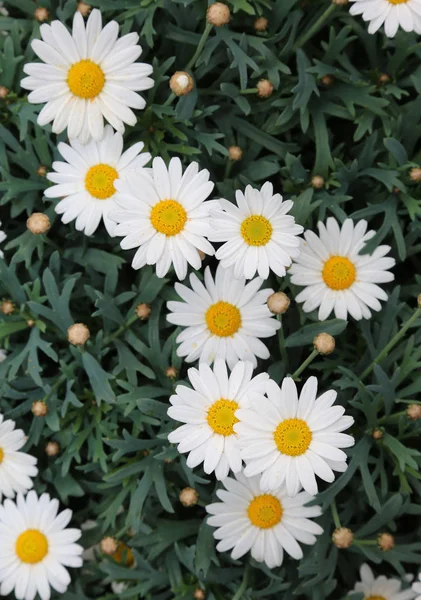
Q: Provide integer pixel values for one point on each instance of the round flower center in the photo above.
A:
(265, 511)
(378, 597)
(1, 455)
(32, 546)
(168, 217)
(99, 181)
(394, 2)
(124, 555)
(256, 230)
(85, 79)
(339, 273)
(221, 416)
(293, 437)
(223, 319)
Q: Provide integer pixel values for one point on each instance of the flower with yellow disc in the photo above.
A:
(393, 14)
(381, 588)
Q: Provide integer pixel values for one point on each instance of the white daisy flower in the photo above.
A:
(223, 318)
(265, 524)
(3, 355)
(392, 13)
(416, 587)
(16, 468)
(3, 236)
(380, 588)
(164, 212)
(208, 411)
(86, 180)
(291, 440)
(88, 76)
(259, 234)
(36, 547)
(336, 276)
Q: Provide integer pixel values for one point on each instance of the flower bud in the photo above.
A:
(340, 2)
(386, 541)
(342, 537)
(30, 322)
(78, 334)
(199, 594)
(84, 9)
(171, 373)
(123, 555)
(324, 343)
(188, 496)
(41, 14)
(264, 88)
(3, 91)
(7, 307)
(415, 174)
(52, 449)
(235, 153)
(261, 24)
(108, 545)
(278, 303)
(181, 83)
(38, 223)
(42, 171)
(328, 80)
(39, 408)
(384, 78)
(318, 182)
(218, 14)
(419, 300)
(143, 311)
(414, 412)
(377, 434)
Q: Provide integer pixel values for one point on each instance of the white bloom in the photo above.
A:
(88, 76)
(119, 587)
(164, 212)
(223, 318)
(259, 234)
(3, 236)
(380, 588)
(3, 355)
(392, 13)
(16, 468)
(208, 411)
(336, 276)
(291, 440)
(86, 180)
(416, 587)
(36, 547)
(265, 524)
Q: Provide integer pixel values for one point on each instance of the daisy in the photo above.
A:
(224, 318)
(416, 587)
(392, 13)
(259, 234)
(265, 524)
(88, 76)
(86, 180)
(16, 468)
(291, 440)
(336, 276)
(3, 236)
(163, 212)
(208, 411)
(36, 546)
(380, 588)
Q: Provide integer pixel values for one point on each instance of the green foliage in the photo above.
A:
(108, 400)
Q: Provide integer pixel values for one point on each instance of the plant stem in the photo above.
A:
(389, 418)
(365, 542)
(335, 515)
(392, 343)
(305, 364)
(244, 583)
(316, 26)
(249, 91)
(120, 330)
(282, 348)
(200, 46)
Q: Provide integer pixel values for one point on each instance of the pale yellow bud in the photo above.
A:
(324, 343)
(342, 537)
(218, 14)
(78, 334)
(188, 496)
(181, 83)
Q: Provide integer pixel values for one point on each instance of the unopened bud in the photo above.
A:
(384, 78)
(414, 412)
(342, 537)
(419, 300)
(171, 373)
(377, 434)
(7, 307)
(38, 223)
(181, 83)
(78, 334)
(261, 24)
(30, 322)
(188, 496)
(340, 2)
(52, 449)
(199, 594)
(143, 311)
(39, 408)
(42, 171)
(318, 182)
(386, 541)
(235, 153)
(108, 545)
(218, 14)
(123, 555)
(278, 303)
(41, 14)
(415, 174)
(324, 343)
(328, 80)
(84, 9)
(3, 91)
(264, 88)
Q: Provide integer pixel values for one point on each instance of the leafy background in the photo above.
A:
(107, 402)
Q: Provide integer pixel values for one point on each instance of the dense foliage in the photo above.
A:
(346, 107)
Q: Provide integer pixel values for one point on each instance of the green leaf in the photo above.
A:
(307, 334)
(99, 379)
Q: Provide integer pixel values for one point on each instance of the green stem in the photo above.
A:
(281, 340)
(305, 364)
(55, 387)
(316, 26)
(120, 330)
(365, 542)
(200, 46)
(249, 91)
(393, 417)
(335, 515)
(244, 583)
(392, 343)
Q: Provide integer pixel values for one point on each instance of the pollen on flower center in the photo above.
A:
(256, 230)
(339, 273)
(396, 2)
(221, 416)
(223, 319)
(85, 79)
(168, 217)
(375, 598)
(1, 455)
(99, 181)
(293, 437)
(32, 546)
(265, 511)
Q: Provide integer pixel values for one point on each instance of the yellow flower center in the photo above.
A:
(32, 546)
(85, 79)
(123, 555)
(265, 511)
(393, 2)
(1, 455)
(99, 181)
(223, 319)
(256, 230)
(339, 273)
(168, 217)
(293, 437)
(379, 597)
(221, 416)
